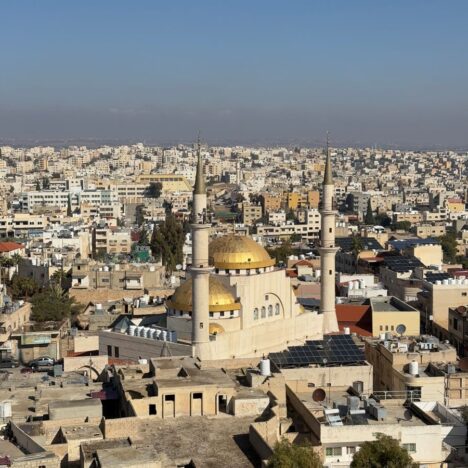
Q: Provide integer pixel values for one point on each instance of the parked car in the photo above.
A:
(44, 362)
(8, 363)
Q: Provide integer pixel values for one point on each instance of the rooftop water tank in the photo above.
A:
(413, 368)
(265, 367)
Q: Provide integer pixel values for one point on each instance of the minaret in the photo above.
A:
(328, 251)
(200, 270)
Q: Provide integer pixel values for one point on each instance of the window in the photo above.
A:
(116, 351)
(333, 451)
(464, 293)
(197, 396)
(392, 328)
(152, 410)
(169, 397)
(255, 314)
(381, 327)
(411, 448)
(386, 327)
(330, 272)
(109, 350)
(455, 324)
(270, 311)
(351, 450)
(277, 309)
(263, 312)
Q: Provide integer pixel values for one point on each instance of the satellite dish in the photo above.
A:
(401, 329)
(319, 395)
(463, 364)
(178, 267)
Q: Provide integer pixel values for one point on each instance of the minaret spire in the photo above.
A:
(201, 269)
(328, 177)
(200, 186)
(328, 250)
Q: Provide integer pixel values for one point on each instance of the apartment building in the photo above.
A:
(251, 213)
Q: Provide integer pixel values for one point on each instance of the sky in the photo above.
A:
(386, 73)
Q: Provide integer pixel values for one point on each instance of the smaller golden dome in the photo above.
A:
(238, 253)
(221, 298)
(216, 329)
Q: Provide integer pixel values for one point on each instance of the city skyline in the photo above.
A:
(262, 74)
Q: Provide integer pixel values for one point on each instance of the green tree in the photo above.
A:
(291, 215)
(144, 236)
(449, 247)
(281, 253)
(155, 189)
(53, 304)
(22, 287)
(357, 247)
(369, 217)
(295, 237)
(45, 183)
(69, 206)
(385, 452)
(167, 242)
(382, 219)
(288, 455)
(402, 226)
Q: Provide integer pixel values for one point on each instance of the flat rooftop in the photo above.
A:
(218, 441)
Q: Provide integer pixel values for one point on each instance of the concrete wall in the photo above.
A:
(133, 347)
(71, 364)
(86, 343)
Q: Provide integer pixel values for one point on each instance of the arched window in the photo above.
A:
(270, 311)
(277, 309)
(256, 313)
(263, 312)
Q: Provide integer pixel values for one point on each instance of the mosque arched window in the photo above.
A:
(277, 309)
(263, 312)
(256, 313)
(270, 311)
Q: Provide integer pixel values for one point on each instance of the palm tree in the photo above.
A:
(16, 258)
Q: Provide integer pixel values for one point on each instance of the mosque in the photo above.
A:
(235, 302)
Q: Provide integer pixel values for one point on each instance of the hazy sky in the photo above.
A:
(375, 72)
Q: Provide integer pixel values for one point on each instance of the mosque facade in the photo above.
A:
(235, 302)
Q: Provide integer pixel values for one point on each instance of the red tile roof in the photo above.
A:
(10, 246)
(357, 317)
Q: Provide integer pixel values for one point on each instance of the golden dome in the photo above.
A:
(221, 298)
(216, 329)
(237, 253)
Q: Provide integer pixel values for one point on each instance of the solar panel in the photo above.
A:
(333, 350)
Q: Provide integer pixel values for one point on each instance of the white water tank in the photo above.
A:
(105, 268)
(265, 367)
(5, 409)
(164, 335)
(152, 268)
(347, 331)
(138, 331)
(413, 368)
(149, 332)
(131, 330)
(116, 267)
(157, 335)
(382, 336)
(351, 285)
(98, 307)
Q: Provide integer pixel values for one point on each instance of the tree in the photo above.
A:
(281, 253)
(357, 247)
(155, 189)
(382, 219)
(449, 247)
(22, 287)
(144, 236)
(369, 217)
(402, 226)
(288, 455)
(69, 206)
(385, 452)
(295, 237)
(167, 242)
(53, 304)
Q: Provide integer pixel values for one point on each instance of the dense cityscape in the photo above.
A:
(233, 234)
(261, 298)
